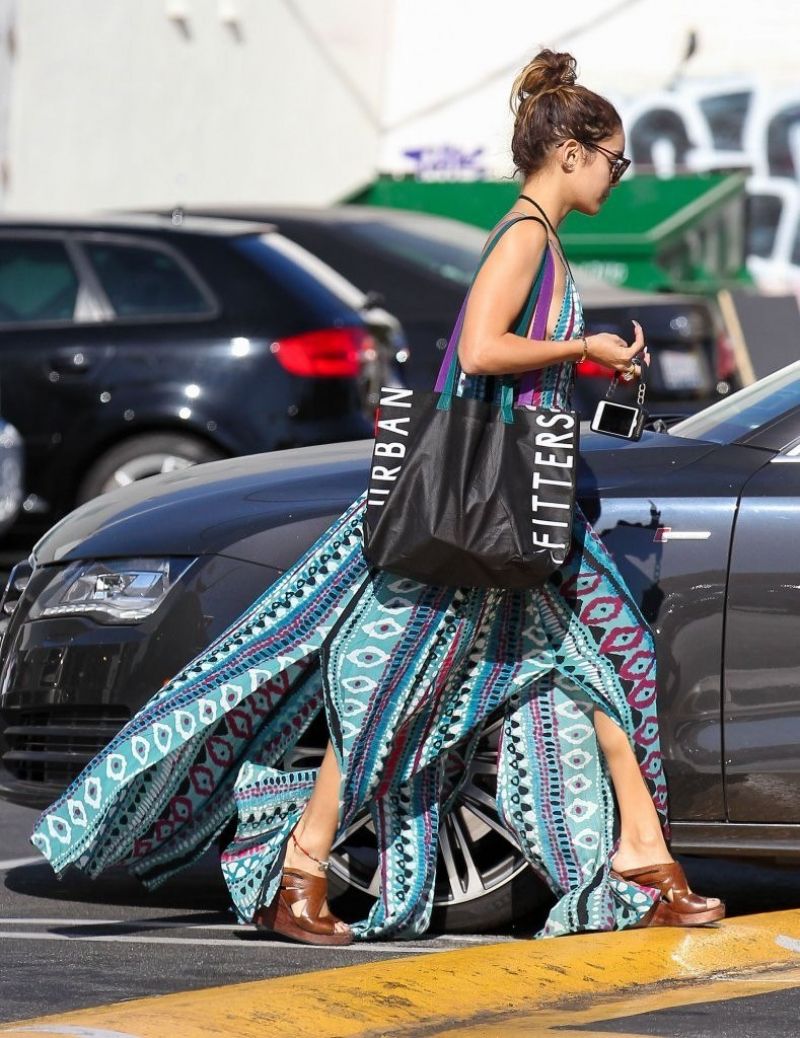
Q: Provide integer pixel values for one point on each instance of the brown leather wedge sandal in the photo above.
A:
(309, 927)
(678, 906)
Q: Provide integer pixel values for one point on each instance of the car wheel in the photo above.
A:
(142, 456)
(483, 883)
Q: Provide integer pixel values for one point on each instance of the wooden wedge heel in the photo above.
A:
(678, 906)
(308, 926)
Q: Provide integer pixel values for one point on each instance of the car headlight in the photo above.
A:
(117, 591)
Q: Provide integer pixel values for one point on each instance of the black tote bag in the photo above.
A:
(464, 492)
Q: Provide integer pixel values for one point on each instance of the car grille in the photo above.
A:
(52, 744)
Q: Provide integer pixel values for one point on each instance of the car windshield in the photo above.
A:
(452, 248)
(343, 289)
(745, 410)
(448, 248)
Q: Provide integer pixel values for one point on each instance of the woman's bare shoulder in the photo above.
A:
(523, 238)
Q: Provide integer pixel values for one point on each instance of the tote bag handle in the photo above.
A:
(540, 299)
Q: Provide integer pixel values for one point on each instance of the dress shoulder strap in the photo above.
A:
(445, 381)
(499, 234)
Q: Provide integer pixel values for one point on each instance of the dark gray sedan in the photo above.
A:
(702, 521)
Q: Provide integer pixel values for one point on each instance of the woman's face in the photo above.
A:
(592, 183)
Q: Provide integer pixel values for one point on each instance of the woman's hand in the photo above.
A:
(614, 353)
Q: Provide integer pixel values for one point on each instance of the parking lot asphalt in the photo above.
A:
(74, 944)
(704, 983)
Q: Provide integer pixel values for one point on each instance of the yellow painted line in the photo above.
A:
(450, 992)
(574, 1022)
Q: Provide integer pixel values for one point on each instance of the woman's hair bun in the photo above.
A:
(547, 72)
(549, 106)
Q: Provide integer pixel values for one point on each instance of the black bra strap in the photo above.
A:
(552, 228)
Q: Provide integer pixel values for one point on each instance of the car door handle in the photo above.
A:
(72, 363)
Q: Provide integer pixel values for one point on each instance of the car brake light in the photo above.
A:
(591, 369)
(328, 353)
(726, 357)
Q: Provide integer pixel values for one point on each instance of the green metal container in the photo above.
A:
(679, 234)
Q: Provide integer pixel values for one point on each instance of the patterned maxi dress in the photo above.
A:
(406, 673)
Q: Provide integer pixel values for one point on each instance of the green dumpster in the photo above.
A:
(680, 234)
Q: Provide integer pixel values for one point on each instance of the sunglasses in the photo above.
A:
(617, 160)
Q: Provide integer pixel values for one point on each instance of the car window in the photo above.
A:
(140, 281)
(762, 220)
(448, 248)
(745, 410)
(317, 268)
(452, 249)
(295, 282)
(37, 281)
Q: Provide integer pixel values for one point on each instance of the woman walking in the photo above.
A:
(408, 672)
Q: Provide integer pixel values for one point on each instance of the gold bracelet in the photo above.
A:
(585, 350)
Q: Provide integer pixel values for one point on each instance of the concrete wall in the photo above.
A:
(109, 103)
(139, 102)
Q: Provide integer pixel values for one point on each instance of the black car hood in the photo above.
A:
(234, 507)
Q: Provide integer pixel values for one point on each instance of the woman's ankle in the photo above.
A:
(642, 849)
(305, 851)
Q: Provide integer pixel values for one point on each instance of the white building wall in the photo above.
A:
(151, 102)
(146, 102)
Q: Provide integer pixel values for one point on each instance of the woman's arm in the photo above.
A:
(499, 292)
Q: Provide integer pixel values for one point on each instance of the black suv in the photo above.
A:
(132, 345)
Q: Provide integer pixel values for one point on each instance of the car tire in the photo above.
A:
(508, 893)
(521, 905)
(142, 456)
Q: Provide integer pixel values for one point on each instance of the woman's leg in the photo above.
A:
(317, 826)
(641, 839)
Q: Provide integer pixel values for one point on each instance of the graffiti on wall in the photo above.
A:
(446, 162)
(732, 125)
(719, 125)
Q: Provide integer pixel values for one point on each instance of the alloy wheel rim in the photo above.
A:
(477, 854)
(144, 466)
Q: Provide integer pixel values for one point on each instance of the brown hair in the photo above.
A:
(549, 107)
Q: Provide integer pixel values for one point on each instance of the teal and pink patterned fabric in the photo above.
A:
(406, 673)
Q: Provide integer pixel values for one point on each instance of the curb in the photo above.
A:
(426, 994)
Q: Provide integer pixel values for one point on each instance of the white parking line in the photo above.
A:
(173, 924)
(359, 946)
(76, 1032)
(166, 924)
(15, 863)
(475, 939)
(143, 924)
